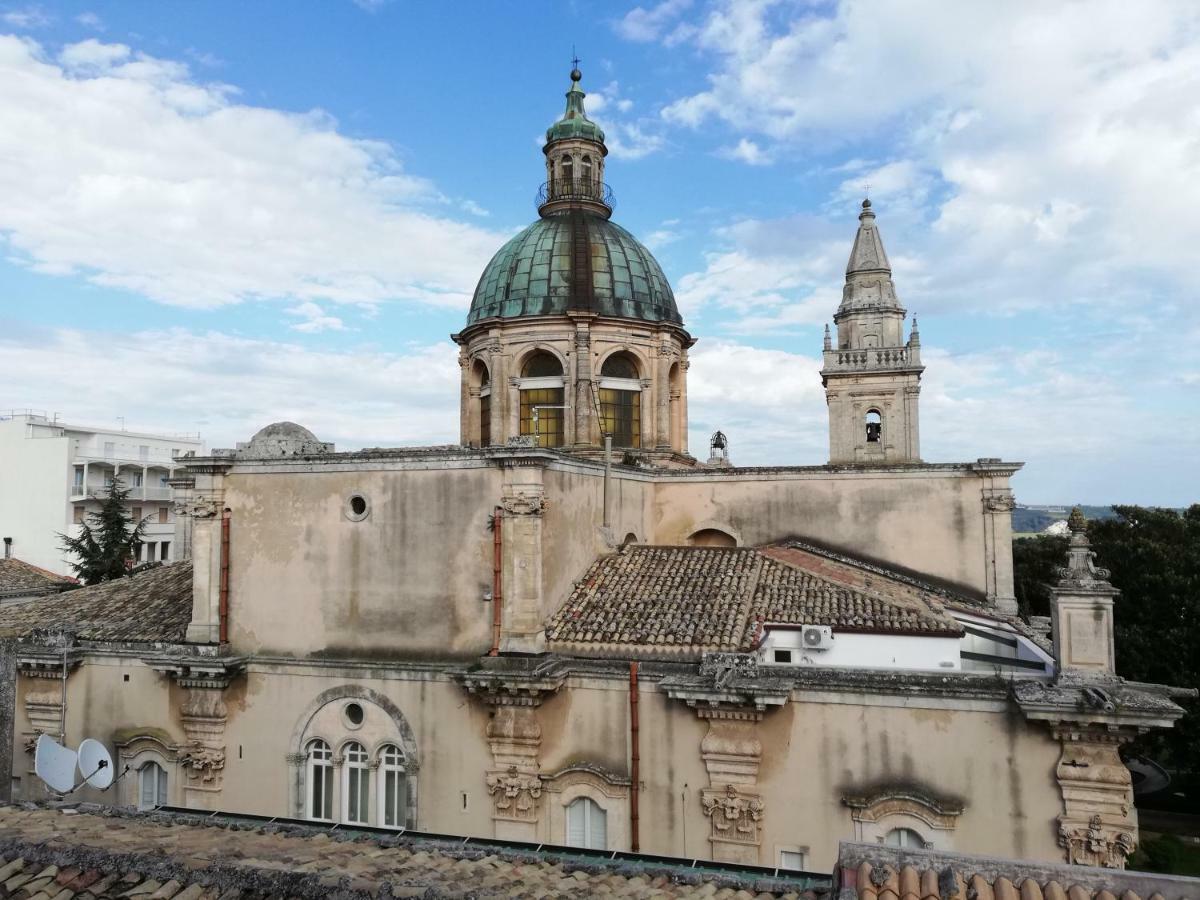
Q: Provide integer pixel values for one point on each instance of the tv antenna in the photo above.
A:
(56, 765)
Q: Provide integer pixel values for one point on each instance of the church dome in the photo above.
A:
(574, 260)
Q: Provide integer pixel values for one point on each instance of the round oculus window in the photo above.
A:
(357, 508)
(353, 713)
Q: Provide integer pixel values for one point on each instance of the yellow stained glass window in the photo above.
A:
(549, 415)
(621, 416)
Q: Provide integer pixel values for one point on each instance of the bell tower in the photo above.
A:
(872, 376)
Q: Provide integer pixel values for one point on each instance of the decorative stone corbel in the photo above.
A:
(514, 736)
(732, 695)
(203, 716)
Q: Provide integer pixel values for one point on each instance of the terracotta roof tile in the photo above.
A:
(714, 598)
(98, 854)
(871, 872)
(20, 577)
(152, 606)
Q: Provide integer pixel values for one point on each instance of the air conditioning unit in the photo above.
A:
(816, 637)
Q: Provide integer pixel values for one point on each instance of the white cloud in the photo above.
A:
(627, 136)
(314, 319)
(90, 20)
(1052, 144)
(92, 54)
(660, 237)
(123, 168)
(26, 18)
(227, 387)
(747, 151)
(641, 24)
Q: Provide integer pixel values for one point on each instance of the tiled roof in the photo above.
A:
(173, 856)
(872, 872)
(21, 578)
(716, 598)
(152, 606)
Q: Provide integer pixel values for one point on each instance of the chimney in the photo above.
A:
(8, 548)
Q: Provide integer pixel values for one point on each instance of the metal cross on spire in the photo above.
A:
(574, 58)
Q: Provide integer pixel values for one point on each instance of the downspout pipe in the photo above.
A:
(497, 579)
(223, 601)
(635, 757)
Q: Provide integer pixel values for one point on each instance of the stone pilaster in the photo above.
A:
(584, 404)
(667, 354)
(523, 501)
(997, 501)
(203, 506)
(1098, 826)
(44, 674)
(732, 802)
(203, 715)
(514, 736)
(466, 435)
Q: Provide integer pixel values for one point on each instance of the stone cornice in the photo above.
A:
(1098, 702)
(214, 673)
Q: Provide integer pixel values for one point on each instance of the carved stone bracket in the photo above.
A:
(735, 814)
(202, 714)
(999, 501)
(524, 502)
(515, 794)
(1096, 844)
(511, 689)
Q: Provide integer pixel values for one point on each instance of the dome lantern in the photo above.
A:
(575, 154)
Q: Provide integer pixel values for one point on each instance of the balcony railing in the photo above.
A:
(136, 492)
(873, 358)
(575, 190)
(158, 460)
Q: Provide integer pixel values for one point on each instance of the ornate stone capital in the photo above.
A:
(515, 794)
(203, 764)
(297, 759)
(527, 501)
(999, 501)
(1095, 844)
(735, 815)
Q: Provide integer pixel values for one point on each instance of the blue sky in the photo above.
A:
(220, 215)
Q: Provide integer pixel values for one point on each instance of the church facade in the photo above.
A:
(568, 630)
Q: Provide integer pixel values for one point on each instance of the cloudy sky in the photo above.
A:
(219, 215)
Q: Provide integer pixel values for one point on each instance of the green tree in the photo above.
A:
(107, 542)
(1154, 557)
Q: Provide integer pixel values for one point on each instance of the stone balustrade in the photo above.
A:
(881, 358)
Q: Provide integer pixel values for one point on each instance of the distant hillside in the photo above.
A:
(1026, 519)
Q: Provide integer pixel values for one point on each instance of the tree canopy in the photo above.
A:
(1154, 556)
(107, 543)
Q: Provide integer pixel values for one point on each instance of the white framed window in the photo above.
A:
(356, 784)
(905, 838)
(320, 780)
(795, 860)
(393, 795)
(587, 824)
(152, 786)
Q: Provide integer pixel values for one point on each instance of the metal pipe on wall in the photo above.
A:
(497, 580)
(635, 757)
(223, 601)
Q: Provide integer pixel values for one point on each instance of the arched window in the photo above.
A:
(152, 786)
(568, 172)
(542, 404)
(356, 784)
(320, 780)
(587, 171)
(874, 426)
(541, 365)
(712, 537)
(392, 787)
(621, 401)
(904, 838)
(587, 824)
(485, 408)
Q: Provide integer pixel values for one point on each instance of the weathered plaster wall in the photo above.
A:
(923, 519)
(408, 579)
(814, 750)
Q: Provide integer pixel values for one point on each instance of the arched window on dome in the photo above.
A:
(485, 404)
(542, 399)
(621, 400)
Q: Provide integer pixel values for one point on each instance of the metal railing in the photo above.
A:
(135, 492)
(575, 190)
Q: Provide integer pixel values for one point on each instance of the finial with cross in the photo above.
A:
(574, 58)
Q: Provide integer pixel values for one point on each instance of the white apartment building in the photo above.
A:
(53, 474)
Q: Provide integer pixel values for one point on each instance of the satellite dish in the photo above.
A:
(55, 764)
(95, 765)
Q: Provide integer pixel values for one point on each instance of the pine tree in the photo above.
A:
(108, 541)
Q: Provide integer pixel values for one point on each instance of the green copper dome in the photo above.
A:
(574, 260)
(574, 122)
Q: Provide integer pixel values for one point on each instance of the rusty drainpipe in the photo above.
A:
(223, 602)
(497, 578)
(635, 756)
